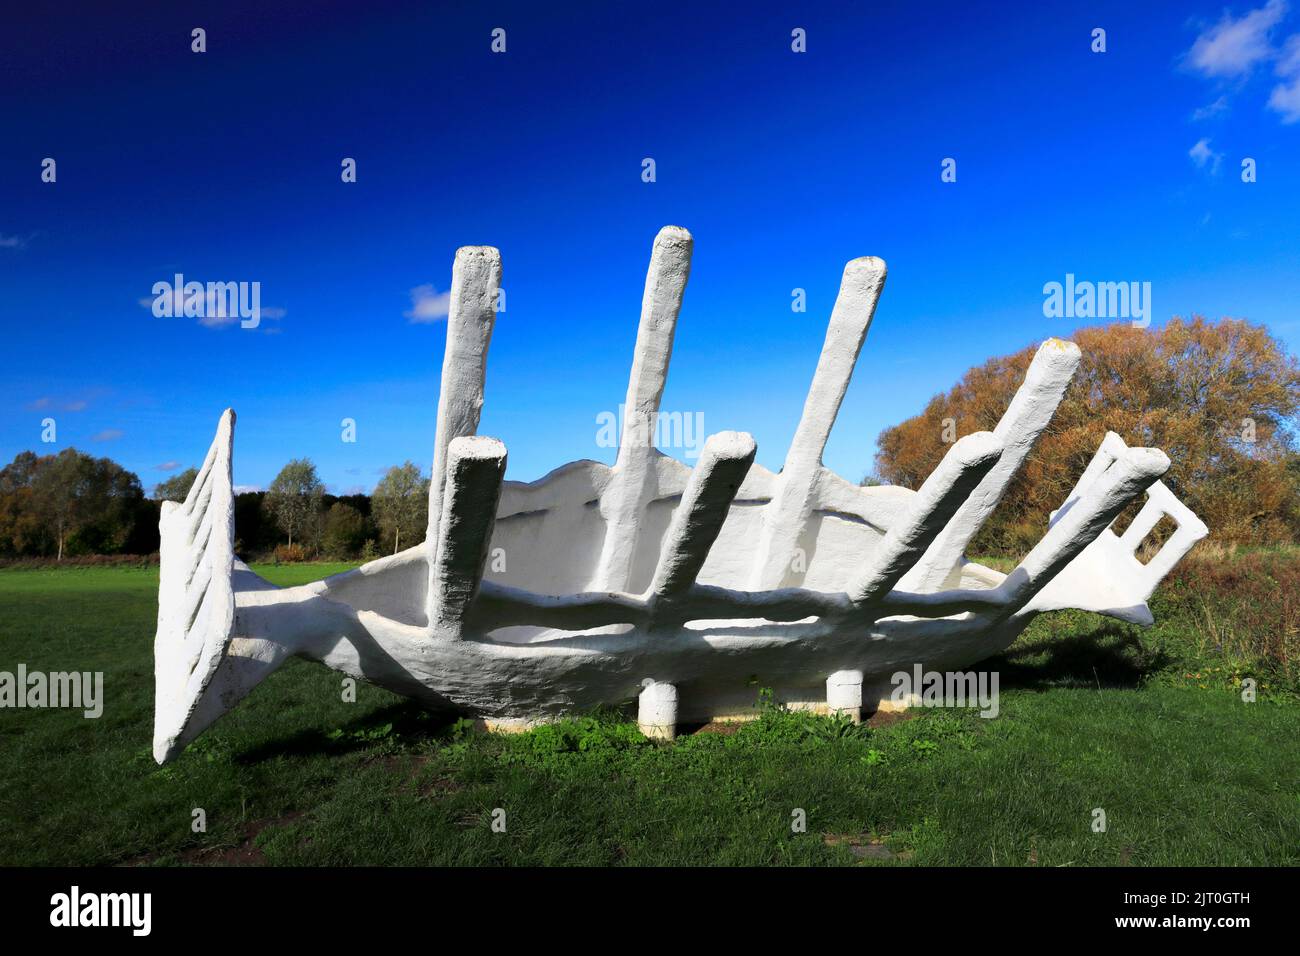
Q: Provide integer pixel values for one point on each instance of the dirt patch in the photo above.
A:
(410, 769)
(886, 718)
(243, 853)
(724, 727)
(439, 786)
(864, 846)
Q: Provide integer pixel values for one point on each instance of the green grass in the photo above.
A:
(1093, 715)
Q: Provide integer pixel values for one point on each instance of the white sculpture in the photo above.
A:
(652, 580)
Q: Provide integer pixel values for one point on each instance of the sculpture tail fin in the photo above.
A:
(1107, 576)
(196, 598)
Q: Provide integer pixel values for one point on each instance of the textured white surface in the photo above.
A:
(844, 694)
(651, 582)
(196, 602)
(657, 710)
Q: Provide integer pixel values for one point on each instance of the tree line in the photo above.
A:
(73, 504)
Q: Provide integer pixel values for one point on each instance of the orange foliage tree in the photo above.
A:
(1218, 397)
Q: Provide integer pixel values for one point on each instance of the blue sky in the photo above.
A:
(225, 166)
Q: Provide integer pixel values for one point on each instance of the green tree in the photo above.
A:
(295, 496)
(176, 487)
(345, 530)
(46, 502)
(401, 505)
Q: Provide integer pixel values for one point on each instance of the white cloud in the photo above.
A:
(1288, 63)
(1285, 98)
(12, 242)
(66, 405)
(1233, 48)
(209, 318)
(167, 466)
(213, 305)
(428, 305)
(1211, 109)
(246, 489)
(1203, 156)
(108, 434)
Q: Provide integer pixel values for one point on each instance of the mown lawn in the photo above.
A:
(1094, 715)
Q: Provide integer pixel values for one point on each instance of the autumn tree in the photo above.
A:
(295, 497)
(401, 505)
(47, 501)
(21, 528)
(1219, 398)
(177, 486)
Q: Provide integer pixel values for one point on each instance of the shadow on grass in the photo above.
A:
(408, 722)
(1109, 656)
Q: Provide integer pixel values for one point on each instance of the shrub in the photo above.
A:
(289, 553)
(1244, 607)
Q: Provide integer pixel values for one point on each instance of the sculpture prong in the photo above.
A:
(1191, 529)
(475, 469)
(792, 504)
(1085, 517)
(965, 465)
(1111, 447)
(632, 487)
(1050, 373)
(475, 282)
(704, 507)
(661, 303)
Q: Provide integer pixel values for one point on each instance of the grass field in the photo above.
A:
(1148, 726)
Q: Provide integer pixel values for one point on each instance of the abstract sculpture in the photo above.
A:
(649, 579)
